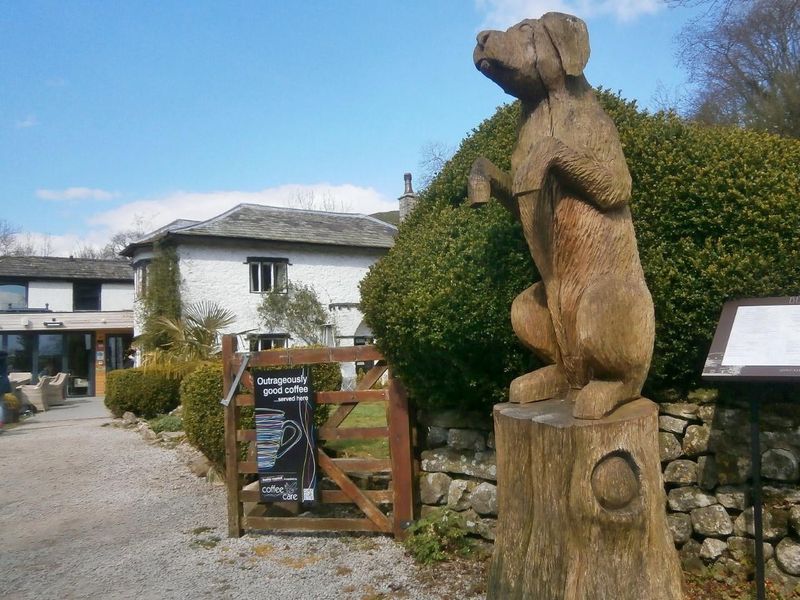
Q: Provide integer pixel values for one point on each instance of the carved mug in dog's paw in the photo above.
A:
(590, 319)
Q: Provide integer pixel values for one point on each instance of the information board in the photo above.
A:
(757, 339)
(286, 453)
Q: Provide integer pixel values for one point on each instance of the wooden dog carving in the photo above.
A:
(591, 317)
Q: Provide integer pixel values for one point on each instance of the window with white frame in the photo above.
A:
(268, 341)
(268, 274)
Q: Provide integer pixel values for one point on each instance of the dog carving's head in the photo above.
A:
(535, 55)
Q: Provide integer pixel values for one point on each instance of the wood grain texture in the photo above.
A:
(402, 459)
(581, 506)
(355, 493)
(231, 422)
(590, 319)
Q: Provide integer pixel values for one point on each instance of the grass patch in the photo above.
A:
(301, 562)
(201, 530)
(364, 415)
(206, 543)
(263, 550)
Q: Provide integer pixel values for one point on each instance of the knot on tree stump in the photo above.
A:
(615, 481)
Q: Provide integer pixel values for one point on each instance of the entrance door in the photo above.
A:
(118, 348)
(80, 363)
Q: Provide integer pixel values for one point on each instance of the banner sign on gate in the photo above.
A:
(286, 450)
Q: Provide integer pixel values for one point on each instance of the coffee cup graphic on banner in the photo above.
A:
(275, 436)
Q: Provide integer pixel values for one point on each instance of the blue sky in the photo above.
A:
(114, 114)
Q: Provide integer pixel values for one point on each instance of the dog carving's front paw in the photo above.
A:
(542, 384)
(479, 190)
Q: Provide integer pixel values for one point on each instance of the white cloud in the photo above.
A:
(76, 193)
(29, 121)
(157, 212)
(500, 14)
(152, 213)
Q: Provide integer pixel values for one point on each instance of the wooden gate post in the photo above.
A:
(402, 458)
(231, 447)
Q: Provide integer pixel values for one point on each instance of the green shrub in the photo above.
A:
(204, 416)
(166, 423)
(716, 213)
(439, 536)
(144, 393)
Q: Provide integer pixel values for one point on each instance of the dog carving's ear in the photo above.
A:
(571, 40)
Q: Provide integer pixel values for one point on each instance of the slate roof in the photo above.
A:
(54, 267)
(271, 223)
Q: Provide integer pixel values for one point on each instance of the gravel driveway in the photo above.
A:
(88, 511)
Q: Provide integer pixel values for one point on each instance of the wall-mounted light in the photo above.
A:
(53, 323)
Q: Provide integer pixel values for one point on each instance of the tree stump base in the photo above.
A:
(581, 506)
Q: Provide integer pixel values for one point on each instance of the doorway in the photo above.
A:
(79, 364)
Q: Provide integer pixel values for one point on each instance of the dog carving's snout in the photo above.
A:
(482, 37)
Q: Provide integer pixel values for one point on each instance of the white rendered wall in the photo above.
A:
(116, 296)
(221, 274)
(58, 294)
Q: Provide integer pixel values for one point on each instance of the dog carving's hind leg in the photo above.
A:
(534, 327)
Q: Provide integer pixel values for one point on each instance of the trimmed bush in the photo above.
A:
(717, 216)
(204, 417)
(144, 393)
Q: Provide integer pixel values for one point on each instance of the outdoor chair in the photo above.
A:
(17, 379)
(35, 394)
(54, 390)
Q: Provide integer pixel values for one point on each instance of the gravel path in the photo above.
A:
(88, 511)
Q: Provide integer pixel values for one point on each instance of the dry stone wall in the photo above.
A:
(705, 452)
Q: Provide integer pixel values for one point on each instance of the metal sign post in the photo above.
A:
(757, 341)
(758, 509)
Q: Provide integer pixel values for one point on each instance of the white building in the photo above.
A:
(234, 258)
(67, 315)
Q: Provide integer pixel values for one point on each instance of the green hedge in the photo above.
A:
(717, 216)
(144, 393)
(203, 415)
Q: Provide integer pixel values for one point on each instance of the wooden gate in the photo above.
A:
(338, 470)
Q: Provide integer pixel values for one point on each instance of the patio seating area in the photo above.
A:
(47, 392)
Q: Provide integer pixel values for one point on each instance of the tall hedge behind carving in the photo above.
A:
(717, 216)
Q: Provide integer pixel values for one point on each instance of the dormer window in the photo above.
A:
(268, 274)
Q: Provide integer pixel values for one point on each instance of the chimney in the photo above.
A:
(408, 200)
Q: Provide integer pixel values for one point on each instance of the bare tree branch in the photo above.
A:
(743, 57)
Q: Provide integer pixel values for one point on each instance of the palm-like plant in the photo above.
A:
(192, 337)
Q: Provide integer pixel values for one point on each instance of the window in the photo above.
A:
(140, 270)
(86, 295)
(268, 274)
(327, 335)
(269, 341)
(20, 351)
(365, 365)
(51, 354)
(13, 296)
